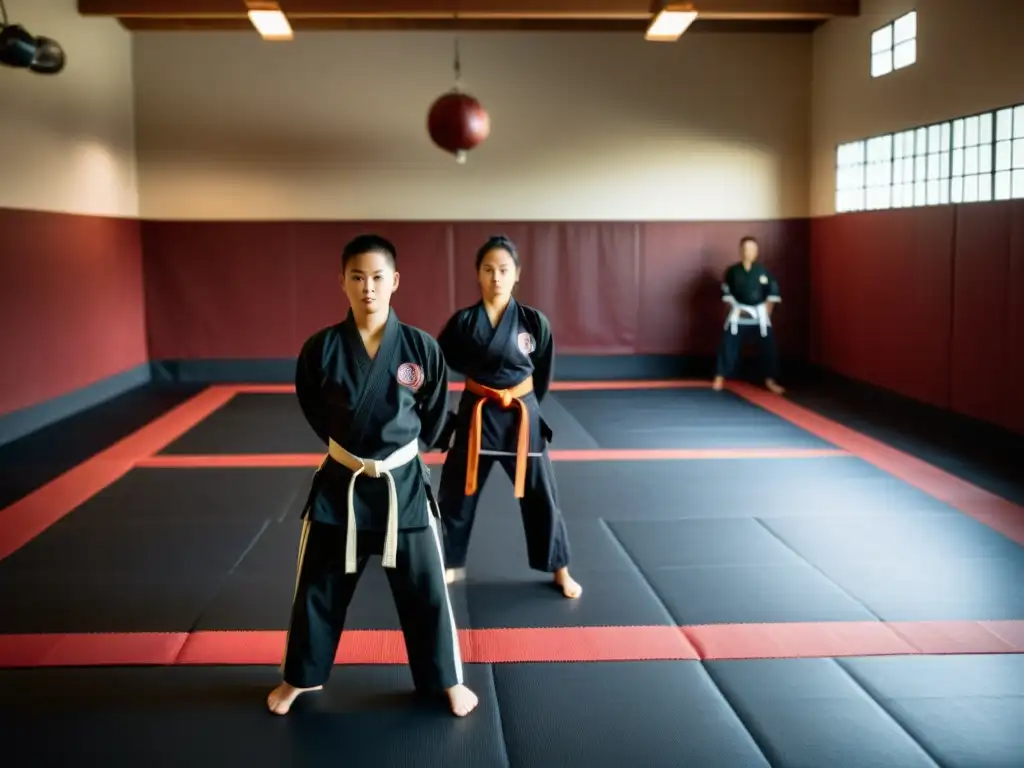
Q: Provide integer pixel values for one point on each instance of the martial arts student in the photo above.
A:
(506, 352)
(370, 388)
(751, 292)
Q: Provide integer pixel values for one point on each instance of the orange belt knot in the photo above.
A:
(507, 398)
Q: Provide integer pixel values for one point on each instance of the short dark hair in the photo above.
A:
(497, 242)
(369, 244)
(748, 239)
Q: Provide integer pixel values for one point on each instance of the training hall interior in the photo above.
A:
(813, 564)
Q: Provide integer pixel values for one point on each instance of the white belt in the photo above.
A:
(759, 313)
(373, 468)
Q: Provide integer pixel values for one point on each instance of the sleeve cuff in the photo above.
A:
(774, 299)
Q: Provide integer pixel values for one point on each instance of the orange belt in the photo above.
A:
(507, 397)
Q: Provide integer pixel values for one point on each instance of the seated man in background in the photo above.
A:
(751, 292)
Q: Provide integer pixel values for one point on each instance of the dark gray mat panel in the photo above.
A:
(799, 488)
(906, 568)
(658, 714)
(251, 424)
(681, 418)
(258, 594)
(148, 553)
(759, 593)
(937, 537)
(177, 716)
(966, 711)
(808, 713)
(610, 599)
(569, 433)
(731, 570)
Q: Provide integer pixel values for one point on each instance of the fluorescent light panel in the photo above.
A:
(272, 25)
(670, 23)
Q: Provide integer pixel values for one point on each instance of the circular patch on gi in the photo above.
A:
(764, 279)
(526, 343)
(410, 375)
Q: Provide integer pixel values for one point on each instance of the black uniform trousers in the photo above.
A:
(547, 541)
(323, 592)
(732, 343)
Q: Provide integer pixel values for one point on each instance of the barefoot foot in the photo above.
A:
(462, 700)
(281, 698)
(454, 574)
(773, 387)
(717, 383)
(570, 588)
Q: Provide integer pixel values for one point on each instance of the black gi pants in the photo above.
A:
(732, 343)
(323, 592)
(547, 541)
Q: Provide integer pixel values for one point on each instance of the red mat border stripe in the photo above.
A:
(717, 642)
(994, 511)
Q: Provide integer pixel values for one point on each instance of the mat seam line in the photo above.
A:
(501, 717)
(818, 570)
(219, 588)
(700, 659)
(877, 699)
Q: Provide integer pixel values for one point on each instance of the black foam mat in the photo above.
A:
(808, 713)
(657, 714)
(681, 418)
(267, 423)
(669, 490)
(967, 589)
(251, 423)
(258, 594)
(740, 594)
(936, 537)
(906, 568)
(365, 716)
(148, 553)
(966, 711)
(35, 459)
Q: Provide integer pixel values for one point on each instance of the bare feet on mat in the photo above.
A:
(462, 700)
(454, 574)
(281, 698)
(774, 387)
(570, 588)
(718, 383)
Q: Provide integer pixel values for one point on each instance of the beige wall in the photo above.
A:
(67, 142)
(970, 58)
(598, 126)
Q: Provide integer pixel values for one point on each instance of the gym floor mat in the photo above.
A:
(732, 599)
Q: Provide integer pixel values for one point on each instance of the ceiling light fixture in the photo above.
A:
(670, 21)
(269, 21)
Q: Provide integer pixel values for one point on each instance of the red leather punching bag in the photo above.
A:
(457, 123)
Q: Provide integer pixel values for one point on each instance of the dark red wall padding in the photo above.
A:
(71, 303)
(232, 290)
(925, 302)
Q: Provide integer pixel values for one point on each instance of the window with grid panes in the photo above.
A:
(850, 177)
(932, 146)
(972, 159)
(1009, 153)
(903, 170)
(894, 46)
(879, 173)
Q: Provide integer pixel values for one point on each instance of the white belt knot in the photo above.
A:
(375, 468)
(759, 313)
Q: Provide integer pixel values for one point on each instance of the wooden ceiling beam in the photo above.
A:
(516, 10)
(336, 24)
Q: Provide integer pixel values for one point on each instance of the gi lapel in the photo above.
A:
(375, 376)
(502, 337)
